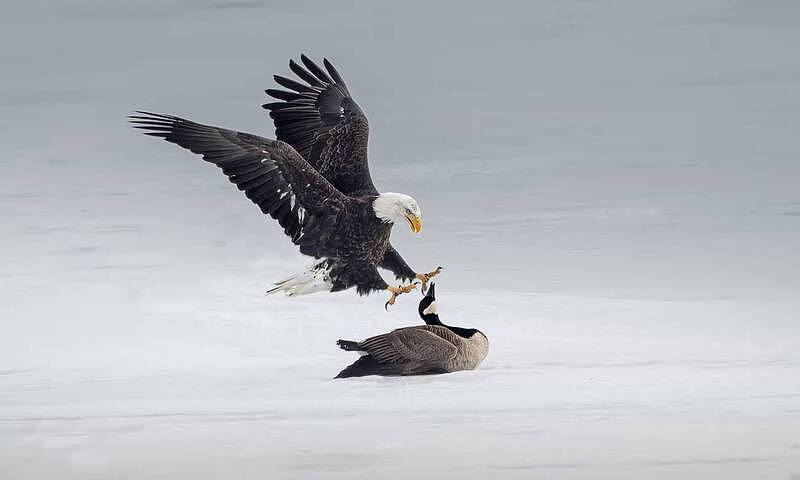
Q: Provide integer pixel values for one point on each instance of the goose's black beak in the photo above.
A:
(432, 291)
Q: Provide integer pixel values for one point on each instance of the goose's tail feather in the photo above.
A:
(349, 345)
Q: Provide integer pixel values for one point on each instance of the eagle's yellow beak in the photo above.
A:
(414, 222)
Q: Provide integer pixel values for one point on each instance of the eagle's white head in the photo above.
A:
(397, 207)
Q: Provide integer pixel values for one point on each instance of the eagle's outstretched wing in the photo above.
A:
(270, 172)
(320, 119)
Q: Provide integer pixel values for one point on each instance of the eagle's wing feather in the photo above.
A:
(324, 124)
(270, 172)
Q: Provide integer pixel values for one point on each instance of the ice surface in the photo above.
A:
(613, 190)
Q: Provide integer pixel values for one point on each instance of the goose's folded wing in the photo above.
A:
(444, 333)
(409, 344)
(321, 120)
(270, 172)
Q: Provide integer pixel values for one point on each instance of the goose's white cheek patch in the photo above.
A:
(431, 309)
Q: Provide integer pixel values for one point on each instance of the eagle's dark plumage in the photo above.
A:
(314, 179)
(324, 124)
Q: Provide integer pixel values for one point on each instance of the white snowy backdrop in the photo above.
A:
(611, 187)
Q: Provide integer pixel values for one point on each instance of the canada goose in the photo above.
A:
(419, 350)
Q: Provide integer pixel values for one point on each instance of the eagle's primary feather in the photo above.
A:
(324, 124)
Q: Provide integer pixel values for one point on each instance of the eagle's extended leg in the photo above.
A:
(426, 277)
(395, 291)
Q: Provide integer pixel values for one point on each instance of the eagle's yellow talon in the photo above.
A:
(396, 291)
(426, 277)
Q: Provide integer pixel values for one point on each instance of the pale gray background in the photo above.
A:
(611, 186)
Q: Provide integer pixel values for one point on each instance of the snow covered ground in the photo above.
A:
(613, 191)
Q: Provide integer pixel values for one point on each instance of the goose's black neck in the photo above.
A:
(462, 332)
(432, 318)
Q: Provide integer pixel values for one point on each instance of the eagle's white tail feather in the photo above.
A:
(314, 279)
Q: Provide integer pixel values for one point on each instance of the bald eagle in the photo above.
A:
(314, 180)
